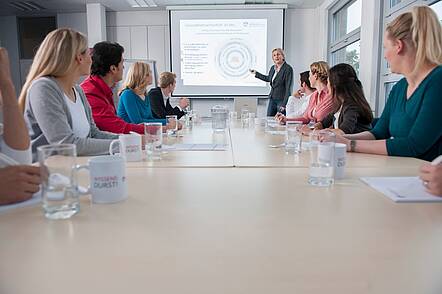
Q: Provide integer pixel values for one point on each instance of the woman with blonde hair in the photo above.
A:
(280, 77)
(134, 106)
(55, 108)
(411, 124)
(321, 102)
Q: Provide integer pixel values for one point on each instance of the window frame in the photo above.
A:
(345, 40)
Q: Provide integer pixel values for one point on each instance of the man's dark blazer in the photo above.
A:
(159, 110)
(281, 87)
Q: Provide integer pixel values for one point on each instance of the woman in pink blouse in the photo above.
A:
(321, 103)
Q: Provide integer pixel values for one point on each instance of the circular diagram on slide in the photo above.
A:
(235, 59)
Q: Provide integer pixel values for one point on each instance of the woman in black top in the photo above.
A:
(353, 113)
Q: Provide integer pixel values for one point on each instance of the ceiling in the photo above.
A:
(66, 6)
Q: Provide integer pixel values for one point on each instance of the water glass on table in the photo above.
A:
(219, 118)
(188, 118)
(233, 116)
(245, 118)
(172, 125)
(293, 137)
(59, 180)
(154, 139)
(322, 162)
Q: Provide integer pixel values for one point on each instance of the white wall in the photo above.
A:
(76, 21)
(301, 39)
(143, 34)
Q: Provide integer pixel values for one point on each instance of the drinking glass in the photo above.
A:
(154, 139)
(219, 118)
(293, 137)
(196, 117)
(245, 118)
(59, 180)
(322, 148)
(172, 125)
(233, 115)
(188, 118)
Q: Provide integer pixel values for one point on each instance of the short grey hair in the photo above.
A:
(280, 52)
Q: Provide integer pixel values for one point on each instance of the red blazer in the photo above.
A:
(100, 97)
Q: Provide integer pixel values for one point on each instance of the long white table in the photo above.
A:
(259, 229)
(251, 148)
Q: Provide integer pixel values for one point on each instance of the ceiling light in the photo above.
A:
(142, 3)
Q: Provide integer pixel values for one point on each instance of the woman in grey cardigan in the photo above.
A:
(55, 108)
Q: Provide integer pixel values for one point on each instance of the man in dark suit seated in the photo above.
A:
(159, 98)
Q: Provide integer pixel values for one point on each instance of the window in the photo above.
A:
(349, 54)
(345, 32)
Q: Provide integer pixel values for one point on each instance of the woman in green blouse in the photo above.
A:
(411, 123)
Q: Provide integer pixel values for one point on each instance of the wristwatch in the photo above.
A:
(352, 145)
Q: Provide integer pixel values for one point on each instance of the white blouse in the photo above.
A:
(80, 124)
(297, 106)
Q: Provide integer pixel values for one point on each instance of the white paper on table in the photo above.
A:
(276, 132)
(195, 147)
(36, 198)
(401, 189)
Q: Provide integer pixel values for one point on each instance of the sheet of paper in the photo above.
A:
(276, 132)
(195, 147)
(401, 189)
(36, 198)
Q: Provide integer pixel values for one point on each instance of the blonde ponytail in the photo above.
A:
(421, 29)
(55, 57)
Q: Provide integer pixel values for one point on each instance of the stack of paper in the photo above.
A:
(401, 189)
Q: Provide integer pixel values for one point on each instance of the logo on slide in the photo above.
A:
(235, 59)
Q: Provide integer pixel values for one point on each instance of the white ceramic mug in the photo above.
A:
(107, 175)
(340, 155)
(130, 147)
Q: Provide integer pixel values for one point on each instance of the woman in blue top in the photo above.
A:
(411, 123)
(134, 107)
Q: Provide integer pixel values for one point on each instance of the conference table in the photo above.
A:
(239, 220)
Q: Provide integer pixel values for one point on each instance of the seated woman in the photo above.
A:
(321, 103)
(298, 102)
(134, 106)
(353, 113)
(55, 108)
(411, 123)
(18, 179)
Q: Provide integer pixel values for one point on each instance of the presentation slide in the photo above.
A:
(212, 51)
(222, 51)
